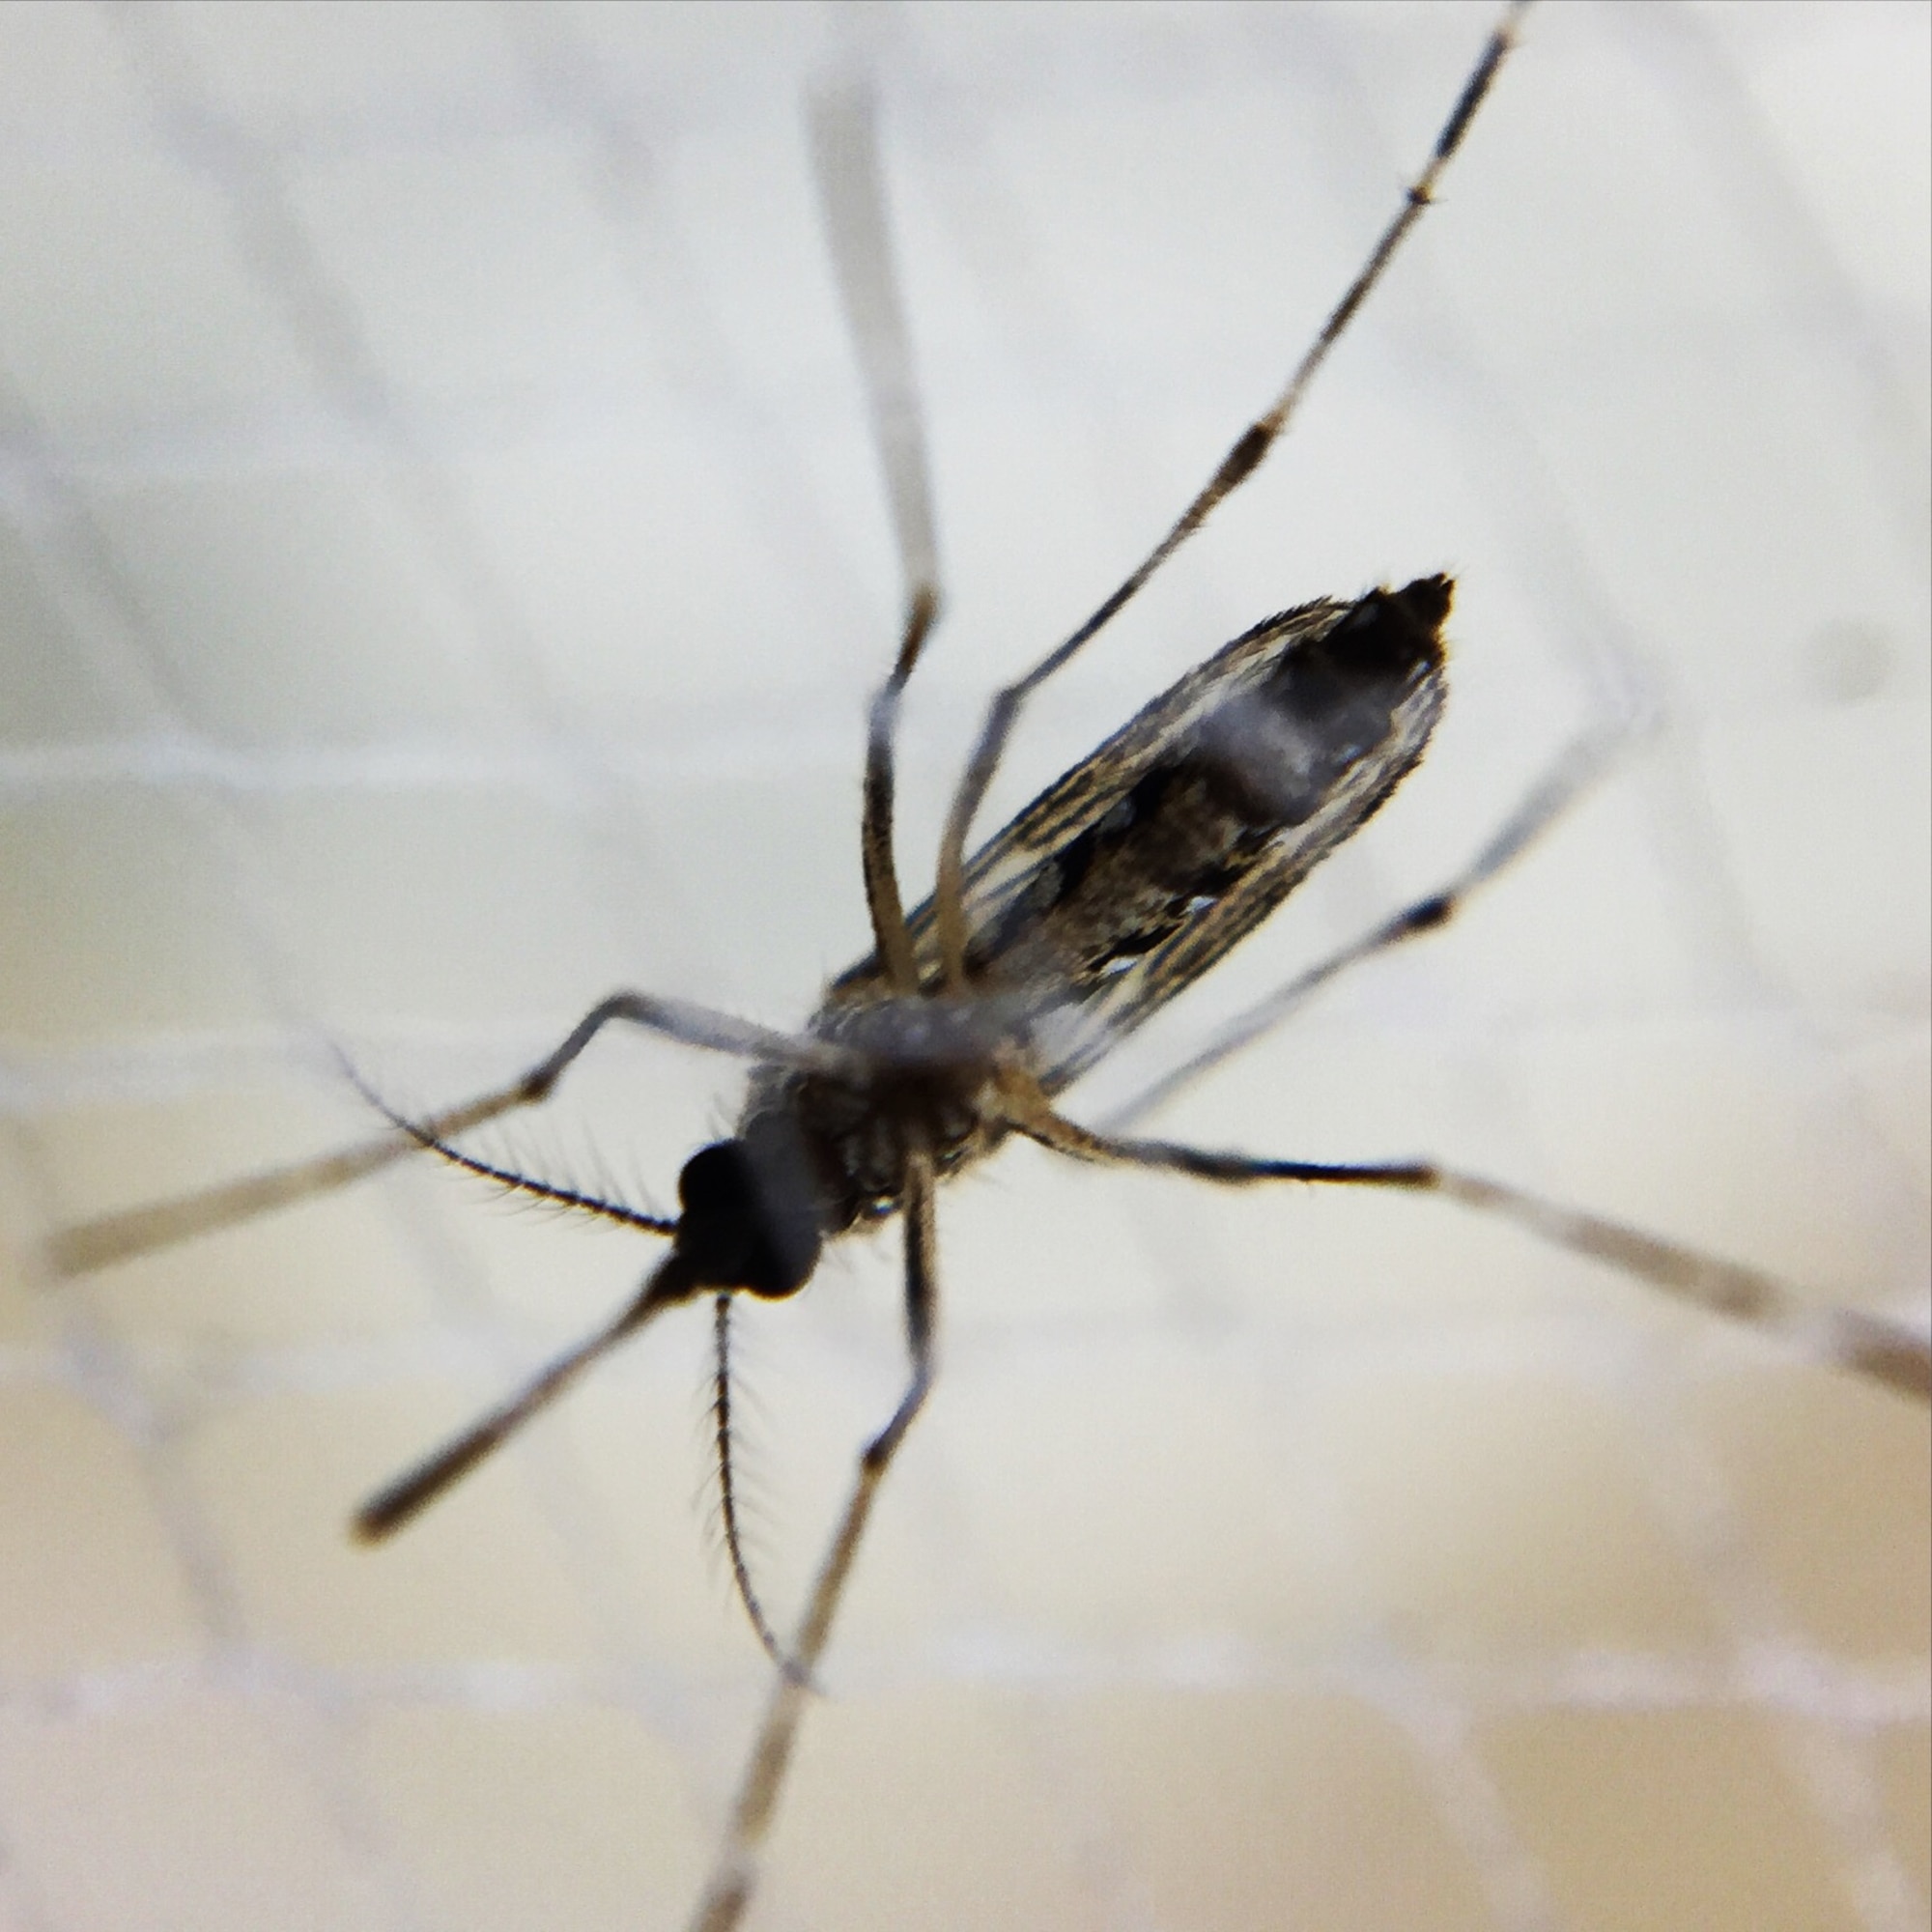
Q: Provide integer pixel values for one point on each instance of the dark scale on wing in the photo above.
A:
(1126, 885)
(1329, 703)
(1193, 827)
(1119, 886)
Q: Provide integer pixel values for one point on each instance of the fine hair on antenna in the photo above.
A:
(1036, 953)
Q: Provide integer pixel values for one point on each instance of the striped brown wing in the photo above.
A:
(1127, 879)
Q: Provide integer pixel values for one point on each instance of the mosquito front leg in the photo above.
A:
(846, 159)
(1881, 1351)
(120, 1236)
(138, 1231)
(734, 1876)
(1240, 463)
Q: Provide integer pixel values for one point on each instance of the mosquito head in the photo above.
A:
(749, 1217)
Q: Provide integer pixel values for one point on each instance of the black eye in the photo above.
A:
(748, 1220)
(714, 1181)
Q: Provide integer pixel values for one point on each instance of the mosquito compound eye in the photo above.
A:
(712, 1184)
(747, 1222)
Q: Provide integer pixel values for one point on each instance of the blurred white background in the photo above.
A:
(441, 576)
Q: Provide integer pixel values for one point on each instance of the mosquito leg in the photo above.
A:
(1235, 467)
(138, 1231)
(1577, 772)
(692, 1025)
(98, 1243)
(846, 159)
(735, 1874)
(401, 1501)
(1882, 1351)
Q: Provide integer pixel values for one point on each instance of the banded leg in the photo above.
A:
(734, 1876)
(138, 1231)
(1882, 1351)
(1250, 447)
(1576, 773)
(846, 159)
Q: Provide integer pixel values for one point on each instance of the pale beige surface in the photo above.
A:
(440, 578)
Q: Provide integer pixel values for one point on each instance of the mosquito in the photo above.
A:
(1113, 891)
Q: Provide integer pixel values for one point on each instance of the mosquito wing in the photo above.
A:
(1124, 881)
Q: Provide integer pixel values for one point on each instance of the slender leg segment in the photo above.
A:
(1235, 467)
(410, 1494)
(845, 158)
(140, 1231)
(1571, 776)
(692, 1025)
(882, 898)
(734, 1875)
(1881, 1351)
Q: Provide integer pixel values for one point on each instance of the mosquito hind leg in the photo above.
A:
(735, 1873)
(846, 159)
(1240, 463)
(88, 1245)
(1881, 1351)
(1576, 773)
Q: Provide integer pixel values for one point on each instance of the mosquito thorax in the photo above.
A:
(749, 1218)
(940, 1036)
(922, 1067)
